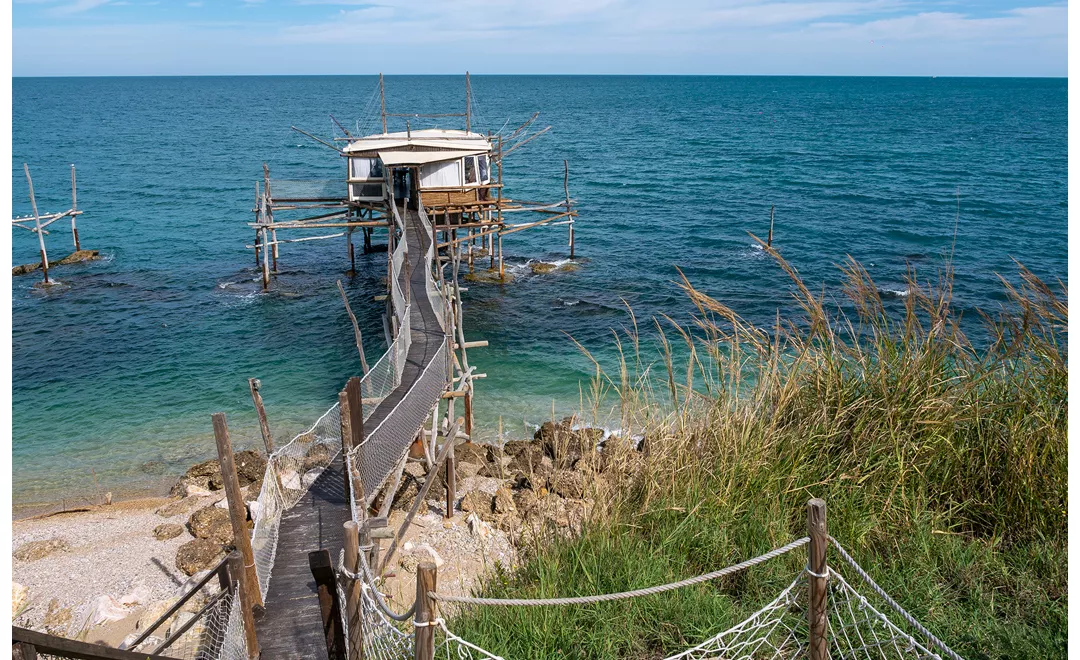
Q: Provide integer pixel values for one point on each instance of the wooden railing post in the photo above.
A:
(322, 569)
(424, 644)
(353, 605)
(818, 579)
(355, 414)
(237, 570)
(250, 594)
(451, 480)
(264, 426)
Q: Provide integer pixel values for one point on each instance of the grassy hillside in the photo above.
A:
(943, 466)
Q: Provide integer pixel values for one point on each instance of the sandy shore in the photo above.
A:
(110, 551)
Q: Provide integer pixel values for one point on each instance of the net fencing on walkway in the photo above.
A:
(861, 624)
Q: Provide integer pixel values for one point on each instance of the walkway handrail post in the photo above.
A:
(356, 429)
(817, 568)
(249, 579)
(353, 605)
(424, 643)
(243, 593)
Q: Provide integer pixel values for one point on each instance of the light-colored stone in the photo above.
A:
(166, 531)
(20, 596)
(504, 501)
(139, 594)
(105, 609)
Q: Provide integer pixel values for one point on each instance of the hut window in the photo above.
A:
(482, 161)
(366, 168)
(470, 169)
(446, 174)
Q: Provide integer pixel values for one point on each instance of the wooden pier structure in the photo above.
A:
(435, 195)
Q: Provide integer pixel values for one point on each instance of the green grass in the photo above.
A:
(943, 467)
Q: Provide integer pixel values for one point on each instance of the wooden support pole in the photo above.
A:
(382, 101)
(353, 604)
(818, 579)
(37, 224)
(238, 572)
(356, 328)
(451, 479)
(265, 263)
(356, 428)
(468, 412)
(772, 216)
(264, 426)
(502, 267)
(251, 595)
(352, 251)
(426, 581)
(566, 190)
(322, 569)
(74, 208)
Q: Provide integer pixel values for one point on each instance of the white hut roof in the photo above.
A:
(428, 139)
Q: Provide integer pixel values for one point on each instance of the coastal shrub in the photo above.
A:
(942, 461)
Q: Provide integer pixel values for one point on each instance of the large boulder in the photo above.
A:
(251, 466)
(35, 550)
(199, 555)
(211, 523)
(479, 503)
(568, 483)
(503, 502)
(564, 444)
(474, 452)
(180, 507)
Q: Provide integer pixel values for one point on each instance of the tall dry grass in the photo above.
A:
(942, 460)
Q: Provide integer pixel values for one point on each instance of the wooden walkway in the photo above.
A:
(292, 628)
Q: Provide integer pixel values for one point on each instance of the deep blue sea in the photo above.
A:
(116, 372)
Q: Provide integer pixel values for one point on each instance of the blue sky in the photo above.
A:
(816, 37)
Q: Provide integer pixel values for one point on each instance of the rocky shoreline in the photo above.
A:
(100, 574)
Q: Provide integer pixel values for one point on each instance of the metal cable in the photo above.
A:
(892, 603)
(648, 591)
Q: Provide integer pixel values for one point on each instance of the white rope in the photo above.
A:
(648, 591)
(892, 603)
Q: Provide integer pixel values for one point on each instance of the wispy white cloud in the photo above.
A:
(77, 7)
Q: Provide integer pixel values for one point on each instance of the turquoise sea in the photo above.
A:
(115, 373)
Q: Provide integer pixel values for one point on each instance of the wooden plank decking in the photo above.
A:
(292, 627)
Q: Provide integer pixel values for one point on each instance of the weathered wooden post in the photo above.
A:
(772, 216)
(356, 429)
(264, 427)
(566, 190)
(346, 436)
(37, 224)
(74, 211)
(424, 643)
(322, 569)
(250, 594)
(236, 570)
(353, 605)
(818, 579)
(451, 480)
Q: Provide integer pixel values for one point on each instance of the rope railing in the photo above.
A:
(622, 595)
(904, 614)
